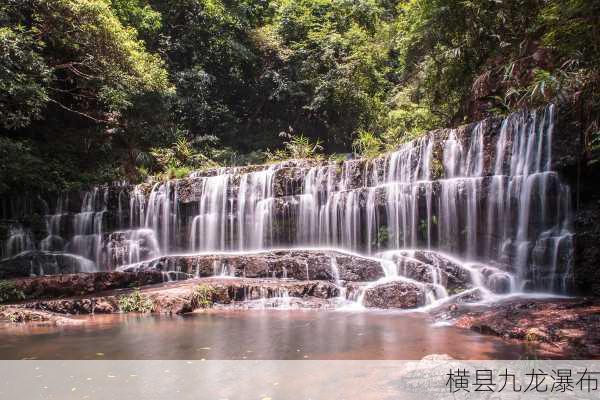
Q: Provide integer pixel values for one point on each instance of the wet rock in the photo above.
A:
(410, 267)
(181, 297)
(457, 305)
(53, 286)
(422, 265)
(469, 296)
(297, 264)
(75, 306)
(564, 327)
(231, 290)
(289, 181)
(496, 280)
(396, 294)
(126, 247)
(354, 289)
(21, 315)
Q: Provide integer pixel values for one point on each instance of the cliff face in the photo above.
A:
(573, 161)
(496, 191)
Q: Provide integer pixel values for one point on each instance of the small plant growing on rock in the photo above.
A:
(383, 236)
(295, 147)
(136, 302)
(14, 318)
(437, 169)
(10, 292)
(202, 296)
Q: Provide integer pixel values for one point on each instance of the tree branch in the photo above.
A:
(100, 121)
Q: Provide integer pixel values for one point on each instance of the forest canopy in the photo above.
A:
(104, 90)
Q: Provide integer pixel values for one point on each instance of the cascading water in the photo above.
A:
(254, 210)
(19, 240)
(490, 199)
(87, 226)
(516, 214)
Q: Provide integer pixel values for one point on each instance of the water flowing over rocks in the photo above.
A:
(296, 264)
(43, 263)
(461, 214)
(431, 267)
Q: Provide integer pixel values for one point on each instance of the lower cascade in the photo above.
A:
(474, 212)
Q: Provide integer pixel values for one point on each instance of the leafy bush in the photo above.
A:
(202, 296)
(295, 147)
(136, 302)
(367, 144)
(179, 160)
(10, 292)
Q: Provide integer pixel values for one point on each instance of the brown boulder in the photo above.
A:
(395, 294)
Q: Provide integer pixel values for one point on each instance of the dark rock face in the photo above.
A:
(571, 157)
(587, 249)
(296, 264)
(397, 294)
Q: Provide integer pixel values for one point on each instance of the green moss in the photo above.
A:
(455, 290)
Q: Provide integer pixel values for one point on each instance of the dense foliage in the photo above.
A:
(100, 90)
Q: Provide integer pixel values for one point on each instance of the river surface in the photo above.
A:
(254, 334)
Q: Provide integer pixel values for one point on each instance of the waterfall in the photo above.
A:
(19, 241)
(511, 209)
(161, 213)
(254, 210)
(87, 226)
(54, 240)
(484, 193)
(209, 227)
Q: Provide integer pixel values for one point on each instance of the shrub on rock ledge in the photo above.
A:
(135, 302)
(202, 296)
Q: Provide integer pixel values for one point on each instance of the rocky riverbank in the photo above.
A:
(555, 327)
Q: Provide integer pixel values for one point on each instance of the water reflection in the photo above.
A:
(266, 334)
